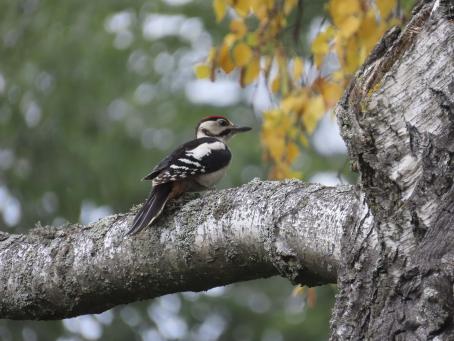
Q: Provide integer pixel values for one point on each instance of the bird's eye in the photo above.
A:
(223, 123)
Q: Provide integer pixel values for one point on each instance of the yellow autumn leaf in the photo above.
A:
(280, 172)
(282, 64)
(252, 39)
(362, 54)
(330, 91)
(220, 8)
(304, 140)
(274, 26)
(338, 76)
(268, 62)
(202, 71)
(314, 111)
(272, 115)
(238, 28)
(385, 7)
(341, 9)
(278, 121)
(292, 152)
(242, 54)
(225, 61)
(230, 39)
(270, 4)
(351, 60)
(281, 150)
(242, 7)
(393, 22)
(298, 68)
(368, 32)
(349, 26)
(339, 49)
(211, 55)
(320, 45)
(274, 133)
(293, 104)
(259, 8)
(283, 170)
(250, 72)
(289, 5)
(276, 144)
(276, 85)
(256, 5)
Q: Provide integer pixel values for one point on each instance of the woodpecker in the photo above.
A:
(194, 166)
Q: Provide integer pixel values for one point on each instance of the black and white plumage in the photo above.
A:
(194, 166)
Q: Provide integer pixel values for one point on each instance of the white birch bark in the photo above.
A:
(258, 230)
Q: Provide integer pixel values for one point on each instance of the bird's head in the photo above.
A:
(218, 127)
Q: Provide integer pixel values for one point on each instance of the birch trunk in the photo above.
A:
(397, 117)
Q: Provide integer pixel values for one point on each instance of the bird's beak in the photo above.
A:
(239, 129)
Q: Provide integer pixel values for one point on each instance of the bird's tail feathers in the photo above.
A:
(151, 209)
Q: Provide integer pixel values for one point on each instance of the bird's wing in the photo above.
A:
(196, 157)
(160, 166)
(167, 161)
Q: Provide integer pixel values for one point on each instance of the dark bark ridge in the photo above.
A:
(397, 118)
(261, 229)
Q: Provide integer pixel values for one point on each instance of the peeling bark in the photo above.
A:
(397, 118)
(258, 230)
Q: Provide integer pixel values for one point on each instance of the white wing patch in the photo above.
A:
(205, 149)
(189, 162)
(178, 167)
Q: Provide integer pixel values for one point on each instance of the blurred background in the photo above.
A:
(92, 95)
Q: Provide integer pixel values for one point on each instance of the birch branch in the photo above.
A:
(260, 229)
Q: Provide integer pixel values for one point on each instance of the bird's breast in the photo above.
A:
(210, 179)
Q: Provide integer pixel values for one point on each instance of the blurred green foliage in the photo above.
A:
(90, 101)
